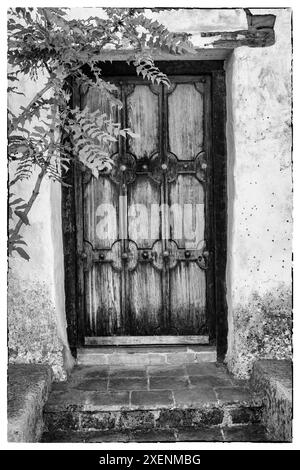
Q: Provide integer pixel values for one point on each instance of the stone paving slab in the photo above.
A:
(192, 402)
(195, 397)
(209, 381)
(119, 372)
(207, 368)
(168, 383)
(152, 399)
(167, 371)
(233, 394)
(128, 383)
(83, 400)
(118, 387)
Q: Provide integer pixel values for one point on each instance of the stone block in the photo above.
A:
(98, 420)
(206, 356)
(139, 419)
(28, 389)
(248, 433)
(272, 379)
(245, 414)
(203, 434)
(190, 417)
(62, 421)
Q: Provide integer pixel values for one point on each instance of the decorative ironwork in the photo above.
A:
(124, 169)
(162, 255)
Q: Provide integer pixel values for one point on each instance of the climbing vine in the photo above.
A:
(45, 42)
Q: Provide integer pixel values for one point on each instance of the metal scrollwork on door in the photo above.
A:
(124, 168)
(163, 254)
(158, 168)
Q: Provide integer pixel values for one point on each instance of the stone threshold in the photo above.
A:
(146, 355)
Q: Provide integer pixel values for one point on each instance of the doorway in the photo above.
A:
(147, 234)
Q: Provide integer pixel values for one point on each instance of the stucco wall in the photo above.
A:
(260, 200)
(259, 210)
(36, 310)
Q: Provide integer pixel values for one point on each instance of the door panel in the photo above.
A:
(188, 298)
(144, 220)
(185, 108)
(103, 304)
(101, 207)
(145, 300)
(187, 212)
(145, 224)
(142, 118)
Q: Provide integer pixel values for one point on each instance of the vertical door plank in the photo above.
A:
(187, 209)
(100, 208)
(144, 283)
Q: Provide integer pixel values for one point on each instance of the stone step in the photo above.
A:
(244, 433)
(171, 398)
(273, 379)
(145, 355)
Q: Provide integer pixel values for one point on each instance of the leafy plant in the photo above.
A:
(44, 42)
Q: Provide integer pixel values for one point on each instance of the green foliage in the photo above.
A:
(45, 42)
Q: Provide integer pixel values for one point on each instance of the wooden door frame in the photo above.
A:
(218, 326)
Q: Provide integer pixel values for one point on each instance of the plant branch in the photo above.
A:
(39, 180)
(17, 120)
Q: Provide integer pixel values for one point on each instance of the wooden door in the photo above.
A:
(146, 248)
